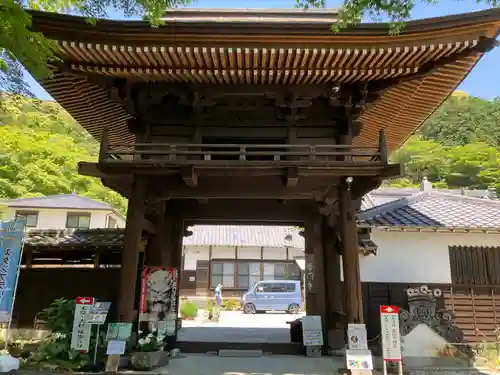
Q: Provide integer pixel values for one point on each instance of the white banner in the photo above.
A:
(80, 338)
(389, 330)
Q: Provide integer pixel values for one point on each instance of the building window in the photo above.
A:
(244, 274)
(78, 221)
(475, 265)
(248, 274)
(112, 222)
(222, 273)
(31, 218)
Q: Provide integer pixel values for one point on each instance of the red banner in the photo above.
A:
(146, 276)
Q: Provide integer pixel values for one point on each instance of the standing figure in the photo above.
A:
(218, 302)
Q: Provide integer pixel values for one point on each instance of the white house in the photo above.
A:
(64, 211)
(427, 235)
(237, 256)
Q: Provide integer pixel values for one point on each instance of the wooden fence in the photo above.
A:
(476, 308)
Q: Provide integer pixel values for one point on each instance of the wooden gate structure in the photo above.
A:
(255, 116)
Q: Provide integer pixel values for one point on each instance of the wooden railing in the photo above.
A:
(186, 153)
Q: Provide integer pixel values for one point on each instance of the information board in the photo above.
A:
(119, 331)
(357, 359)
(312, 332)
(98, 313)
(356, 334)
(389, 330)
(80, 337)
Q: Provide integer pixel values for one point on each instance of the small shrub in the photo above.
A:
(231, 305)
(189, 310)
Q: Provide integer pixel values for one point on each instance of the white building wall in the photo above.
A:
(56, 218)
(223, 252)
(416, 257)
(194, 253)
(249, 252)
(294, 253)
(274, 253)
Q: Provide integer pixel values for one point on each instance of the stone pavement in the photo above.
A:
(200, 364)
(234, 326)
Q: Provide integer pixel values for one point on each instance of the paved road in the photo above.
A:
(234, 326)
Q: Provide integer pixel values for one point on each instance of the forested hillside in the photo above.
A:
(41, 146)
(457, 147)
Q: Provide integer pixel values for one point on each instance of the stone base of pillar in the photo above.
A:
(336, 339)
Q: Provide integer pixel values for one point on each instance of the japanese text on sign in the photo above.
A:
(391, 340)
(4, 272)
(80, 339)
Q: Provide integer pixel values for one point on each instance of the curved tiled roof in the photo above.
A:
(245, 235)
(203, 235)
(433, 56)
(69, 201)
(435, 209)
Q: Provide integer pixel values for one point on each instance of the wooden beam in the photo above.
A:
(243, 211)
(292, 177)
(148, 226)
(238, 191)
(189, 177)
(215, 90)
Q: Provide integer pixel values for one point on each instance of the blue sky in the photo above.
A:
(484, 80)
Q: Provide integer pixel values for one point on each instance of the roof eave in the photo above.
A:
(53, 24)
(431, 228)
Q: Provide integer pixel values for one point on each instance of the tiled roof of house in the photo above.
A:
(68, 201)
(435, 209)
(203, 235)
(245, 235)
(88, 238)
(384, 195)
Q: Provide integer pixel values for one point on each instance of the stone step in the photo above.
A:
(215, 347)
(240, 353)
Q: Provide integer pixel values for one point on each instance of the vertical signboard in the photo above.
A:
(80, 338)
(11, 243)
(158, 295)
(389, 330)
(310, 271)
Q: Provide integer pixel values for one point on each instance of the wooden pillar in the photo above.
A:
(315, 267)
(335, 320)
(350, 257)
(156, 253)
(130, 254)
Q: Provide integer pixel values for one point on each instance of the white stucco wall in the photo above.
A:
(56, 218)
(194, 253)
(416, 257)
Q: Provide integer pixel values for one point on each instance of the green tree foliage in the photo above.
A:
(464, 119)
(40, 147)
(459, 146)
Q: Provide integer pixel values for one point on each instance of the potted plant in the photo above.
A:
(149, 352)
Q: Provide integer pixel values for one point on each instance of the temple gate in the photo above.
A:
(255, 116)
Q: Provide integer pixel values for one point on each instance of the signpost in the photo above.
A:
(80, 338)
(312, 334)
(358, 357)
(391, 339)
(117, 335)
(97, 315)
